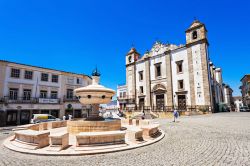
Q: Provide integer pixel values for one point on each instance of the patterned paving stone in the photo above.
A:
(217, 139)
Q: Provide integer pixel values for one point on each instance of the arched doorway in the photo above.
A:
(159, 91)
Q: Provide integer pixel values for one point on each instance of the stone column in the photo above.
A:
(191, 75)
(169, 80)
(148, 84)
(94, 113)
(205, 78)
(61, 111)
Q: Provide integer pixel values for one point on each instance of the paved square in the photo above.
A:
(217, 139)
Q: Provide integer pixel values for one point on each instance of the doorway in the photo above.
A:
(11, 117)
(141, 103)
(25, 117)
(160, 101)
(182, 102)
(78, 114)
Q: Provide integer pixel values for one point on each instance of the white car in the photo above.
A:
(37, 118)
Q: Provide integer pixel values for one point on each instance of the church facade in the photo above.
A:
(171, 76)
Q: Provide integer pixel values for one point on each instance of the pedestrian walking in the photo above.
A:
(176, 114)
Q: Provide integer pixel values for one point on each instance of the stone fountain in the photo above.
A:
(94, 95)
(92, 135)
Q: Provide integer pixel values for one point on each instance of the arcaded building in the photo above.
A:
(170, 76)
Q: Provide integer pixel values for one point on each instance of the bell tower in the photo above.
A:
(198, 64)
(196, 32)
(131, 58)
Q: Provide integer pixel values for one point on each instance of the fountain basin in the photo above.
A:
(78, 126)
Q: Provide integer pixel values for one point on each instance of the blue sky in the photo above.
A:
(79, 35)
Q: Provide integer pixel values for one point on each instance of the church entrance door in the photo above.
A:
(141, 103)
(182, 102)
(160, 101)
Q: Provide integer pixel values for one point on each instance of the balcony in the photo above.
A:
(32, 100)
(19, 100)
(126, 99)
(70, 99)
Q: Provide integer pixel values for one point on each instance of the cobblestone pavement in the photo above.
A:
(217, 139)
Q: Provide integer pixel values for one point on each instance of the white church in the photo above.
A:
(171, 76)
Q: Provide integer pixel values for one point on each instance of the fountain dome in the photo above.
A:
(94, 93)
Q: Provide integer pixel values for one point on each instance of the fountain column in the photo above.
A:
(94, 95)
(94, 113)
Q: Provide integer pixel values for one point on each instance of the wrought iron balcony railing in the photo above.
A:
(30, 100)
(70, 99)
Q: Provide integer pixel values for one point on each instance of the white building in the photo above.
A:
(170, 76)
(26, 90)
(122, 96)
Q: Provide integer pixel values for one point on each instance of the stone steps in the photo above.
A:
(100, 147)
(24, 145)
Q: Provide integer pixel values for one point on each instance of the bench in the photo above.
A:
(134, 134)
(105, 137)
(56, 124)
(38, 139)
(150, 130)
(59, 141)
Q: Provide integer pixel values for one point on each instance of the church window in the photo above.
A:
(180, 85)
(158, 70)
(194, 35)
(179, 66)
(129, 59)
(141, 75)
(141, 89)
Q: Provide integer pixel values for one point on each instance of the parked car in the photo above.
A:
(244, 109)
(38, 118)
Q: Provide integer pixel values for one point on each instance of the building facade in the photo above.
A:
(170, 76)
(27, 90)
(245, 90)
